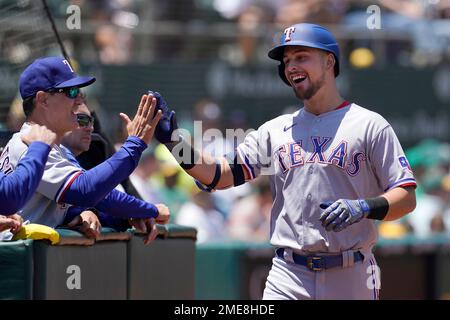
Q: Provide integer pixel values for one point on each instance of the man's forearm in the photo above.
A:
(401, 202)
(19, 186)
(93, 185)
(122, 205)
(201, 166)
(205, 171)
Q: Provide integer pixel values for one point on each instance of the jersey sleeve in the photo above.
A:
(122, 205)
(389, 161)
(58, 175)
(255, 154)
(89, 187)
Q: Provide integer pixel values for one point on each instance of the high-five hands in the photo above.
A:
(168, 123)
(145, 121)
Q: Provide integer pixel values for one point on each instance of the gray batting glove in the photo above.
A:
(343, 213)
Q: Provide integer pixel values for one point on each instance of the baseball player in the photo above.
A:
(17, 188)
(51, 91)
(334, 166)
(78, 141)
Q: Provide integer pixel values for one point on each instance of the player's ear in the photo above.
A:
(41, 98)
(330, 61)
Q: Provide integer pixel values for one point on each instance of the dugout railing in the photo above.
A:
(115, 267)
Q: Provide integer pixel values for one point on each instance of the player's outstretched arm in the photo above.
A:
(391, 205)
(212, 173)
(17, 187)
(205, 172)
(122, 205)
(90, 187)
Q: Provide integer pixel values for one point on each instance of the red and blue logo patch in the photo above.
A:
(404, 163)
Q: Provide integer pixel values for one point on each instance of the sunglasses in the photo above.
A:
(85, 120)
(71, 92)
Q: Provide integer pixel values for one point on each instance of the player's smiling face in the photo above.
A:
(305, 70)
(61, 112)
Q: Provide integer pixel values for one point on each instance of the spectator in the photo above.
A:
(428, 217)
(252, 23)
(201, 214)
(417, 21)
(215, 142)
(249, 219)
(113, 45)
(446, 189)
(141, 176)
(208, 114)
(15, 117)
(430, 160)
(173, 184)
(312, 11)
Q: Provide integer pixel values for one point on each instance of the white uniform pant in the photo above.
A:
(290, 281)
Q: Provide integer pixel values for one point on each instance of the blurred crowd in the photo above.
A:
(430, 161)
(126, 31)
(417, 32)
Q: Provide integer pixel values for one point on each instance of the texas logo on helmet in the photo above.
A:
(287, 33)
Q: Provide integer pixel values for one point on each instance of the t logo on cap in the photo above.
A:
(68, 64)
(288, 33)
(50, 73)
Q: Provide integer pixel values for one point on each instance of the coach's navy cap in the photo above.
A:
(50, 73)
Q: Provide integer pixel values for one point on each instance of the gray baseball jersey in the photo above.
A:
(43, 207)
(349, 153)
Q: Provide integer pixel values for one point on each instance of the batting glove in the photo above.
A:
(168, 122)
(343, 213)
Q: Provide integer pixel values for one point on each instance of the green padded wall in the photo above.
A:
(164, 269)
(16, 269)
(102, 270)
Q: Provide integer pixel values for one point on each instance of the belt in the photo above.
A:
(319, 263)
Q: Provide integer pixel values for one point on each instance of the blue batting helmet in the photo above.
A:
(306, 35)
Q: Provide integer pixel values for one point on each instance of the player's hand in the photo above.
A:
(168, 123)
(145, 225)
(144, 122)
(87, 223)
(12, 222)
(164, 214)
(342, 213)
(39, 133)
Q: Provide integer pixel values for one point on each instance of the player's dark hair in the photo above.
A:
(28, 105)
